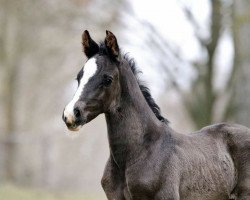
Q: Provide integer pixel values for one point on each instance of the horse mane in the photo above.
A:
(144, 89)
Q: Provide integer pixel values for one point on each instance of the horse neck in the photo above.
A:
(130, 128)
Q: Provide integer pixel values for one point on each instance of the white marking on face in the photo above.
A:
(88, 71)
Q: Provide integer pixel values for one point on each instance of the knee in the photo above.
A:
(104, 182)
(243, 193)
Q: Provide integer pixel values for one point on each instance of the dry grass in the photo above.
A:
(10, 192)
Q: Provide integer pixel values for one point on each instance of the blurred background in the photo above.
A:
(194, 55)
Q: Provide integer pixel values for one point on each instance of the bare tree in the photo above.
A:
(204, 102)
(201, 101)
(37, 64)
(11, 42)
(240, 110)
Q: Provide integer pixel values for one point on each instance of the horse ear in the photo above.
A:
(90, 47)
(111, 45)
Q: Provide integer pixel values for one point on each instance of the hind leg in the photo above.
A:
(242, 189)
(238, 139)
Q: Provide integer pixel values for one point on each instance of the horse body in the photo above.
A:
(148, 160)
(197, 166)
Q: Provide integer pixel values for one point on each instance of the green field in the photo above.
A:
(9, 192)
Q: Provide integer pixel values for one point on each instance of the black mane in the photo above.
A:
(144, 89)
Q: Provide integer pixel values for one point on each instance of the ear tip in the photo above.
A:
(109, 32)
(86, 32)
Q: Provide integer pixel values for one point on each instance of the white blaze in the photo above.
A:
(88, 71)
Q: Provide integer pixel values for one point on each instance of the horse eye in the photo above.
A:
(107, 80)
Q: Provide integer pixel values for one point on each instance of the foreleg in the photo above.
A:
(112, 182)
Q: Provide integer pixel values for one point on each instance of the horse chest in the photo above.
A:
(139, 185)
(134, 190)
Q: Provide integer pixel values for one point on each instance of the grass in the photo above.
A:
(10, 192)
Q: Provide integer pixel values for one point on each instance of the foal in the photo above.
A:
(148, 160)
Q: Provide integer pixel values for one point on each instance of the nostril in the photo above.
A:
(77, 113)
(65, 118)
